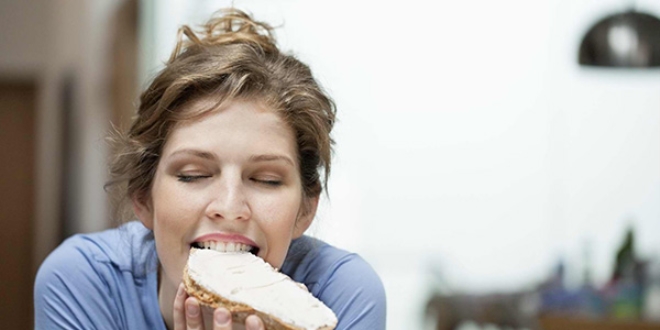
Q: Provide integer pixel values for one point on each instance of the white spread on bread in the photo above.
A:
(248, 279)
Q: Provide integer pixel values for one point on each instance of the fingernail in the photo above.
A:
(222, 317)
(181, 290)
(252, 323)
(193, 310)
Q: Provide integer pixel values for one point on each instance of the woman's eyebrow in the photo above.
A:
(194, 152)
(270, 158)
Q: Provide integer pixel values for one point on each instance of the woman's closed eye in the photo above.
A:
(191, 177)
(267, 181)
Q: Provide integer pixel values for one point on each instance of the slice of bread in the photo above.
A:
(245, 284)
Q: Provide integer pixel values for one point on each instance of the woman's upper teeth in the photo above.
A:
(225, 246)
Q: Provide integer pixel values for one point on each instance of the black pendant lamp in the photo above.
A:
(629, 40)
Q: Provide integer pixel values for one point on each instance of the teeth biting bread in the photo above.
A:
(245, 284)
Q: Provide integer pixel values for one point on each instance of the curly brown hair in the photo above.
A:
(233, 57)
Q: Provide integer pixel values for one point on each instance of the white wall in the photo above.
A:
(469, 141)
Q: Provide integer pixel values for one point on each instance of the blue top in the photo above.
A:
(108, 280)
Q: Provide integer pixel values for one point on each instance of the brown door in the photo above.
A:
(17, 154)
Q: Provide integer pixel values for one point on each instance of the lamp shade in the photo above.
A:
(630, 39)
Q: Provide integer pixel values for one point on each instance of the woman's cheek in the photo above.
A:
(283, 201)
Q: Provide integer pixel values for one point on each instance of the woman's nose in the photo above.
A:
(229, 202)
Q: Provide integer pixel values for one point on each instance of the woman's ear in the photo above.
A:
(143, 210)
(308, 211)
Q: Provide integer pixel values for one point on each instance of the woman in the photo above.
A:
(227, 149)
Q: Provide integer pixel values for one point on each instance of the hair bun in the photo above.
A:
(226, 27)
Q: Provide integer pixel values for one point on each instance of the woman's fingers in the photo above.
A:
(188, 315)
(179, 312)
(253, 322)
(222, 319)
(193, 315)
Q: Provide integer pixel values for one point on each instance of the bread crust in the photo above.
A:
(239, 311)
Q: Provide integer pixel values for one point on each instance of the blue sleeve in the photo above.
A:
(71, 291)
(353, 290)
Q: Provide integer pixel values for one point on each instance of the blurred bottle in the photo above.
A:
(627, 281)
(624, 264)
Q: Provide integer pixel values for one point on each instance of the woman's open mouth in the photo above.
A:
(225, 247)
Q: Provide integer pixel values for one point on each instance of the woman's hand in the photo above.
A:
(190, 315)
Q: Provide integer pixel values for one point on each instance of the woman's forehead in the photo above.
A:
(241, 123)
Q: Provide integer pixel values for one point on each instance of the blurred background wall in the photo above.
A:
(473, 152)
(58, 97)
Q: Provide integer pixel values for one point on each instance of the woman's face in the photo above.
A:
(229, 180)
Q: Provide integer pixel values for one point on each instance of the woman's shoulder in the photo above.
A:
(91, 280)
(124, 248)
(311, 260)
(308, 258)
(340, 279)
